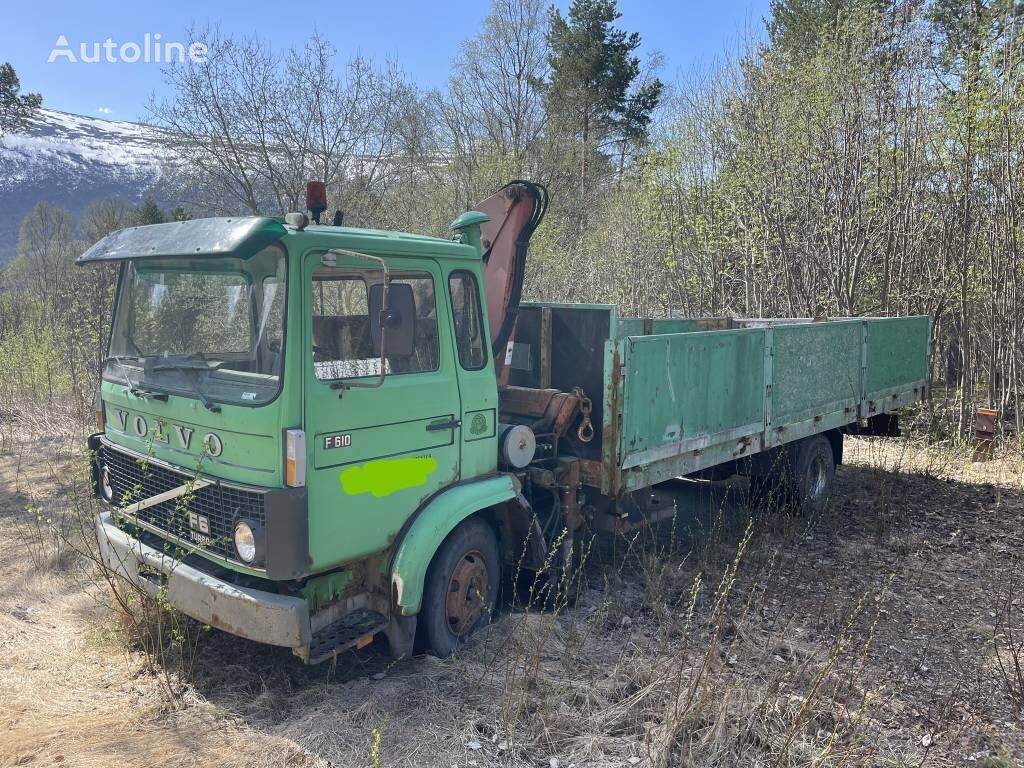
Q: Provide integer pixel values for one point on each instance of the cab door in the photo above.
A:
(374, 453)
(478, 387)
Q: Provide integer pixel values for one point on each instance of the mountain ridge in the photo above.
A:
(71, 161)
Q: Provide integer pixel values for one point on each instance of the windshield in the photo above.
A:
(212, 329)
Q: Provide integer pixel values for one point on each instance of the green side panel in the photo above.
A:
(378, 441)
(675, 326)
(432, 525)
(682, 387)
(817, 370)
(691, 324)
(630, 326)
(634, 326)
(897, 353)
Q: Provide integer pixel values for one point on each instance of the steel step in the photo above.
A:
(344, 633)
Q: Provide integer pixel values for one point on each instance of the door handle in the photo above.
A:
(437, 426)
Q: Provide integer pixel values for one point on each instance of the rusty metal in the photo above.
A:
(549, 411)
(545, 348)
(611, 480)
(568, 492)
(986, 422)
(467, 593)
(585, 433)
(515, 210)
(591, 472)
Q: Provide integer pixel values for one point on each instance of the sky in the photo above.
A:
(422, 37)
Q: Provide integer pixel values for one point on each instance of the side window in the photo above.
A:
(342, 341)
(470, 339)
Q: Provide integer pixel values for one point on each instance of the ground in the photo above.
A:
(873, 634)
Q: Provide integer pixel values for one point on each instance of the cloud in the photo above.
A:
(104, 110)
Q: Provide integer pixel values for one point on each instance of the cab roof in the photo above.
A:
(246, 235)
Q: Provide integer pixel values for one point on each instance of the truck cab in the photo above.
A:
(294, 418)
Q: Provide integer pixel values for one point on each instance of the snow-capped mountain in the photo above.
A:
(70, 161)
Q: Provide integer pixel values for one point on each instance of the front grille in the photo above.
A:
(136, 479)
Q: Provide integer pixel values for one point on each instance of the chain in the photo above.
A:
(585, 433)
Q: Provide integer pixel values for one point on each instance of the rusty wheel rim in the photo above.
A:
(467, 593)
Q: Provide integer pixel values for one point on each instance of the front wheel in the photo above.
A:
(461, 588)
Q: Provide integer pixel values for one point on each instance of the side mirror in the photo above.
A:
(396, 322)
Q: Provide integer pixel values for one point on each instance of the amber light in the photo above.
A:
(295, 458)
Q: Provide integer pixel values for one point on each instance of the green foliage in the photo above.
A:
(797, 27)
(16, 108)
(149, 213)
(593, 69)
(864, 159)
(54, 316)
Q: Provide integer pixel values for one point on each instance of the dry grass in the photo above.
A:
(868, 636)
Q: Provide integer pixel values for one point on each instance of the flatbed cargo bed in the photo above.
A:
(673, 397)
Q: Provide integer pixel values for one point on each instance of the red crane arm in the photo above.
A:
(515, 211)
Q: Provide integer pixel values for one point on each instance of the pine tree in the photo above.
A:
(149, 213)
(593, 71)
(16, 109)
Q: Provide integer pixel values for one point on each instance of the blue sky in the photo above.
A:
(422, 37)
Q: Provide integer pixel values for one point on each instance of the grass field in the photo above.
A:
(880, 633)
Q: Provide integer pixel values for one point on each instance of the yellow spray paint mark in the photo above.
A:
(385, 476)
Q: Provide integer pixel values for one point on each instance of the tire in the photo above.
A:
(454, 605)
(814, 469)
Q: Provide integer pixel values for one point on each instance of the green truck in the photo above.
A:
(311, 435)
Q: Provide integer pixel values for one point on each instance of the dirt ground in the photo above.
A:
(875, 634)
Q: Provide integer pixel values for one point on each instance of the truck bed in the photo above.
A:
(676, 396)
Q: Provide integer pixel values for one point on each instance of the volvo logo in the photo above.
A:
(212, 443)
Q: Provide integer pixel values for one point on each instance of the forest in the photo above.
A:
(852, 158)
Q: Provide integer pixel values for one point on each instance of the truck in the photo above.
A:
(313, 435)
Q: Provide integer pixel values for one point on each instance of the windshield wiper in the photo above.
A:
(148, 392)
(194, 365)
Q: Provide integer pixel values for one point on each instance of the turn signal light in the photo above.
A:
(295, 458)
(101, 416)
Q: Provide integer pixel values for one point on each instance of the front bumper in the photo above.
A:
(250, 613)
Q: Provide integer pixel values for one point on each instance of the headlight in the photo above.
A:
(106, 486)
(249, 542)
